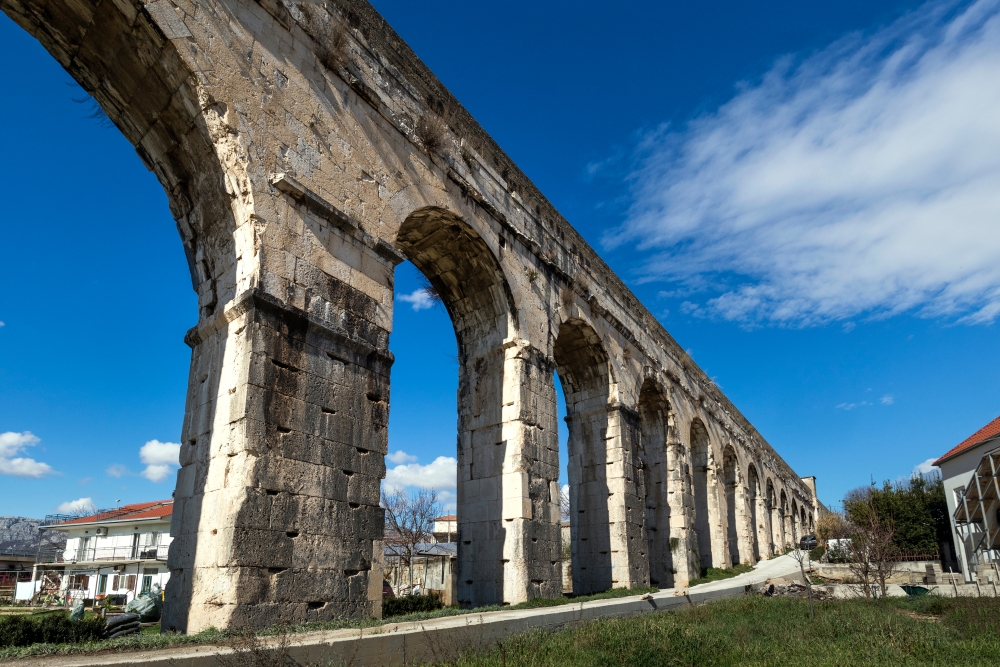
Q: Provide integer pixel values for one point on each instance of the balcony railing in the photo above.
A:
(96, 554)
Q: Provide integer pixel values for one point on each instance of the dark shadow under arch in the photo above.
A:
(754, 497)
(700, 459)
(467, 278)
(584, 371)
(730, 473)
(656, 420)
(772, 511)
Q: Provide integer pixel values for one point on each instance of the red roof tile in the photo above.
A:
(157, 509)
(985, 433)
(447, 517)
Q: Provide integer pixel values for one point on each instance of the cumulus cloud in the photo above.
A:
(448, 500)
(400, 456)
(420, 299)
(861, 181)
(160, 458)
(80, 506)
(12, 444)
(925, 468)
(440, 475)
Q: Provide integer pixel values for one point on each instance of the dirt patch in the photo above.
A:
(919, 617)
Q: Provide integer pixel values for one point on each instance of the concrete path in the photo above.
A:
(438, 639)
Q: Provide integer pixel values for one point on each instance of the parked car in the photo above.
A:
(387, 590)
(808, 542)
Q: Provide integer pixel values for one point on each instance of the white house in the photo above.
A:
(957, 468)
(445, 528)
(119, 553)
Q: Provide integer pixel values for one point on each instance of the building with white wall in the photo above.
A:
(118, 552)
(958, 466)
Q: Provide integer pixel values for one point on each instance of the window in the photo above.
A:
(130, 582)
(147, 583)
(102, 584)
(83, 549)
(114, 583)
(959, 494)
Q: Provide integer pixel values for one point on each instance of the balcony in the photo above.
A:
(153, 552)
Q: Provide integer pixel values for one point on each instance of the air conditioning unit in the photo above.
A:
(101, 531)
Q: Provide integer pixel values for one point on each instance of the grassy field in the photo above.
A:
(718, 574)
(771, 631)
(151, 639)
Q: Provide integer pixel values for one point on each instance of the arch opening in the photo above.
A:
(754, 497)
(784, 516)
(701, 459)
(772, 522)
(656, 420)
(507, 489)
(795, 524)
(730, 473)
(584, 372)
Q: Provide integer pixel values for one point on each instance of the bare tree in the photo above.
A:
(564, 502)
(873, 555)
(409, 520)
(801, 556)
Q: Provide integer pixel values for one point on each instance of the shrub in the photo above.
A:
(817, 552)
(410, 604)
(48, 629)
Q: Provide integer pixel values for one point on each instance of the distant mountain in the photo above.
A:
(18, 528)
(19, 534)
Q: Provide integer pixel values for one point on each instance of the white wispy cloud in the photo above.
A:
(160, 458)
(925, 467)
(887, 400)
(81, 506)
(442, 474)
(118, 471)
(420, 299)
(400, 456)
(12, 444)
(861, 181)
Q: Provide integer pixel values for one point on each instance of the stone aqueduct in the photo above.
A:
(306, 152)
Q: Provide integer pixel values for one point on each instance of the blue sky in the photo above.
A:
(806, 196)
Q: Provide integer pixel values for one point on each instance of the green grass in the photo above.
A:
(769, 631)
(718, 574)
(150, 639)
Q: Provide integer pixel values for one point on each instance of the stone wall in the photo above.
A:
(305, 152)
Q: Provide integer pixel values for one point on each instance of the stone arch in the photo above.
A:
(730, 475)
(583, 368)
(773, 525)
(705, 499)
(806, 526)
(607, 522)
(660, 486)
(464, 274)
(507, 479)
(117, 53)
(754, 499)
(795, 523)
(784, 519)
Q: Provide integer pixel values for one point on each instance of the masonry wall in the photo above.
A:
(306, 151)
